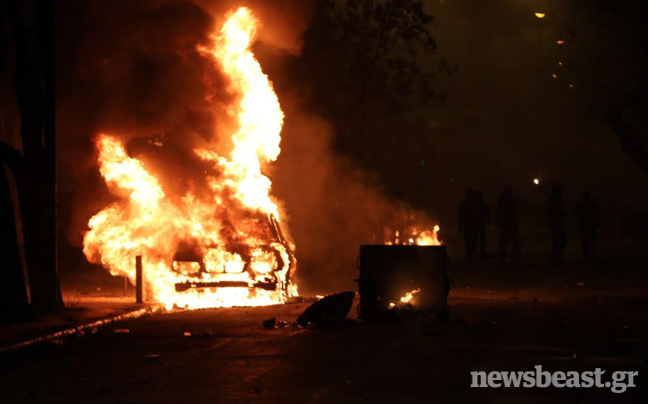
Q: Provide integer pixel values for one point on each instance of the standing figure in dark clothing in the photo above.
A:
(505, 218)
(467, 223)
(589, 221)
(482, 219)
(556, 216)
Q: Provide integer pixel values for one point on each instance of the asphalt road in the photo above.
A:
(230, 357)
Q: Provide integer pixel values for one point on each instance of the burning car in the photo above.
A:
(250, 272)
(210, 236)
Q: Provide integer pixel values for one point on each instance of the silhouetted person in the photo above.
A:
(482, 219)
(556, 216)
(505, 217)
(589, 221)
(468, 223)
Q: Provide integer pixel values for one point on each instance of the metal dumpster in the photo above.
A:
(388, 272)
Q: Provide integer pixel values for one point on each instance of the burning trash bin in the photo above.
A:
(397, 275)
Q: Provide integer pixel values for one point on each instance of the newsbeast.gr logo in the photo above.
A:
(621, 380)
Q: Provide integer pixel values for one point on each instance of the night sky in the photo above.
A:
(506, 119)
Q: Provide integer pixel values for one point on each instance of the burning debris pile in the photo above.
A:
(221, 246)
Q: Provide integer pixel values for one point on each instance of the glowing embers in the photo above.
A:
(408, 298)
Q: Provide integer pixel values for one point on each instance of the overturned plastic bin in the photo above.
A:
(389, 272)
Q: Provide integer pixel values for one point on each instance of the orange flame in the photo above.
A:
(428, 237)
(259, 114)
(237, 258)
(408, 298)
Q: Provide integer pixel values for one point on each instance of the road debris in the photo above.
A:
(327, 312)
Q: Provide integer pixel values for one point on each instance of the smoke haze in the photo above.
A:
(133, 70)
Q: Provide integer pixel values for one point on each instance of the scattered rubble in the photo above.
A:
(272, 323)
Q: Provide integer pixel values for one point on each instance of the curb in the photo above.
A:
(74, 330)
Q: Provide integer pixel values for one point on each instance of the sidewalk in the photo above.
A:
(87, 307)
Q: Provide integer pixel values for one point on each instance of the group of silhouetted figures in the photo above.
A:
(474, 217)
